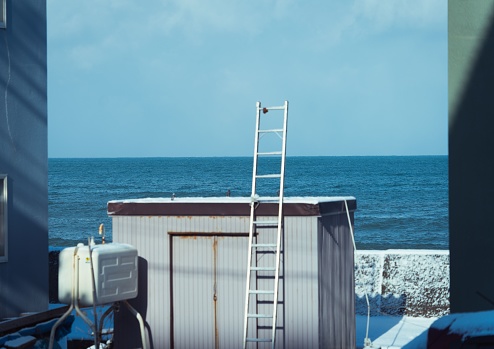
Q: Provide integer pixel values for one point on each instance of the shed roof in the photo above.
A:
(230, 206)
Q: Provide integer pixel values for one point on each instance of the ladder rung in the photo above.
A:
(263, 268)
(268, 200)
(260, 316)
(261, 292)
(269, 327)
(265, 222)
(275, 175)
(263, 340)
(266, 302)
(264, 245)
(281, 107)
(269, 277)
(270, 153)
(274, 130)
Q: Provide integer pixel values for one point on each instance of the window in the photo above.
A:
(3, 13)
(3, 218)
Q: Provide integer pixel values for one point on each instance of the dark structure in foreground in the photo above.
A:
(23, 158)
(471, 153)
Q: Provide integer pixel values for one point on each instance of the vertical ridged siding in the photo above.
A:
(301, 282)
(193, 292)
(231, 273)
(148, 235)
(194, 258)
(336, 283)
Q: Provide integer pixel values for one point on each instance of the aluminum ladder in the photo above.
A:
(265, 235)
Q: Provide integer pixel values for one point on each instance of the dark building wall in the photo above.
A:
(471, 150)
(23, 156)
(336, 282)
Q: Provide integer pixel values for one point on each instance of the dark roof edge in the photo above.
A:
(159, 208)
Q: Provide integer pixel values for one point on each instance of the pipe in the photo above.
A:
(95, 314)
(141, 324)
(367, 341)
(73, 295)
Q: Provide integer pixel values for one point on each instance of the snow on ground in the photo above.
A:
(390, 332)
(408, 290)
(393, 332)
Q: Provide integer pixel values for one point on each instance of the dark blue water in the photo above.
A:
(402, 201)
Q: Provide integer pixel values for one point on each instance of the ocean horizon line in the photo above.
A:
(244, 156)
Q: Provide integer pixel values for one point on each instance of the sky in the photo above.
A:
(181, 78)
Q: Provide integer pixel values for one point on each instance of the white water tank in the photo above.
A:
(115, 273)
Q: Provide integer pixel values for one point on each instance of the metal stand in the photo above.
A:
(141, 324)
(74, 304)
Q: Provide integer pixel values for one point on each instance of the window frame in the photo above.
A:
(4, 221)
(3, 14)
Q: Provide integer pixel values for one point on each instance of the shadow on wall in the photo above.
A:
(53, 256)
(126, 322)
(389, 305)
(398, 305)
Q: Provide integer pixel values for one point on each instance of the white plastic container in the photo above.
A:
(115, 273)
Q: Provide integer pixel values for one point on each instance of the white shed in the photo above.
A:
(193, 264)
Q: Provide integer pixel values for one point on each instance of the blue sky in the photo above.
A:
(181, 77)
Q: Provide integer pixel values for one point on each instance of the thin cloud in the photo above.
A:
(93, 31)
(344, 22)
(383, 14)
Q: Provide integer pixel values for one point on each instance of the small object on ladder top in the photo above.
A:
(264, 110)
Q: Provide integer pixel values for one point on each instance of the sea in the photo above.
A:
(402, 201)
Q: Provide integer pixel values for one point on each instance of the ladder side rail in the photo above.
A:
(252, 226)
(280, 225)
(282, 267)
(256, 149)
(248, 277)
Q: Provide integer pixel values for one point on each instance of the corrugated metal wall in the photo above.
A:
(180, 305)
(149, 236)
(192, 300)
(203, 306)
(301, 283)
(336, 283)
